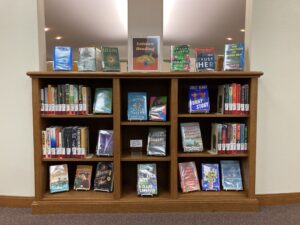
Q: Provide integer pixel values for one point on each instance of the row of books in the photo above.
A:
(230, 178)
(104, 177)
(74, 99)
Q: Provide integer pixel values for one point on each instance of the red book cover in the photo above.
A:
(238, 138)
(188, 177)
(234, 98)
(238, 97)
(224, 138)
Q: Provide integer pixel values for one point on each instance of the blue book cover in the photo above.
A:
(199, 99)
(205, 59)
(234, 56)
(210, 177)
(231, 175)
(59, 179)
(147, 179)
(62, 58)
(137, 106)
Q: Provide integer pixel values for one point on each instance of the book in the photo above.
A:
(220, 63)
(104, 178)
(105, 143)
(210, 177)
(199, 99)
(191, 137)
(221, 99)
(188, 177)
(83, 177)
(205, 59)
(231, 175)
(103, 100)
(234, 57)
(144, 53)
(180, 58)
(62, 58)
(89, 59)
(59, 179)
(110, 59)
(157, 141)
(137, 106)
(146, 179)
(158, 108)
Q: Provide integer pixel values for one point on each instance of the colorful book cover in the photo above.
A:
(191, 137)
(180, 58)
(188, 177)
(62, 58)
(157, 141)
(231, 175)
(199, 99)
(103, 100)
(144, 53)
(89, 59)
(147, 179)
(110, 59)
(83, 177)
(210, 177)
(158, 108)
(234, 57)
(59, 179)
(137, 106)
(105, 143)
(104, 178)
(205, 59)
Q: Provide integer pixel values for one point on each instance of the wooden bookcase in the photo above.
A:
(124, 197)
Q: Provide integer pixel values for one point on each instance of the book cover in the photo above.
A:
(137, 106)
(188, 177)
(157, 142)
(146, 179)
(205, 59)
(199, 99)
(83, 177)
(105, 143)
(103, 100)
(104, 178)
(191, 137)
(144, 53)
(231, 175)
(89, 59)
(180, 58)
(59, 179)
(110, 59)
(62, 58)
(234, 57)
(158, 108)
(210, 177)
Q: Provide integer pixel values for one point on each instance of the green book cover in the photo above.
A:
(180, 58)
(103, 100)
(110, 59)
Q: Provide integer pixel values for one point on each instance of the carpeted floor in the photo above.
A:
(271, 215)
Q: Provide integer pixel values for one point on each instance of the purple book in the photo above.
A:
(105, 143)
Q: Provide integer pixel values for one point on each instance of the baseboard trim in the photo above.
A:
(16, 202)
(278, 199)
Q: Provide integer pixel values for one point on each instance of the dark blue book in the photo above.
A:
(205, 59)
(210, 177)
(62, 58)
(199, 99)
(234, 57)
(137, 106)
(231, 175)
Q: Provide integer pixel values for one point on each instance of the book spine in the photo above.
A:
(59, 99)
(58, 151)
(247, 106)
(74, 142)
(219, 128)
(79, 153)
(226, 105)
(242, 129)
(230, 99)
(63, 99)
(49, 99)
(76, 99)
(80, 110)
(228, 139)
(238, 96)
(44, 148)
(69, 142)
(89, 100)
(48, 143)
(42, 100)
(71, 99)
(220, 100)
(243, 99)
(234, 98)
(246, 138)
(53, 142)
(84, 101)
(46, 107)
(214, 141)
(63, 143)
(224, 138)
(83, 141)
(68, 107)
(233, 138)
(238, 138)
(53, 105)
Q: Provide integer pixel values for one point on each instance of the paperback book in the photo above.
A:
(210, 177)
(188, 177)
(157, 141)
(62, 58)
(137, 106)
(191, 137)
(146, 180)
(103, 100)
(231, 175)
(105, 143)
(110, 59)
(59, 179)
(158, 108)
(234, 57)
(83, 177)
(199, 99)
(205, 59)
(180, 58)
(104, 177)
(89, 59)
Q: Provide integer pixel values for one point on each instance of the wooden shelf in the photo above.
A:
(78, 116)
(208, 155)
(128, 157)
(93, 159)
(131, 195)
(211, 115)
(144, 123)
(213, 195)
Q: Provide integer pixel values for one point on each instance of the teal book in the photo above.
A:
(110, 59)
(137, 106)
(103, 100)
(59, 179)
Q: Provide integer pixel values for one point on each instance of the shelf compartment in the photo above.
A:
(131, 195)
(104, 116)
(93, 159)
(128, 157)
(144, 123)
(211, 115)
(213, 195)
(208, 155)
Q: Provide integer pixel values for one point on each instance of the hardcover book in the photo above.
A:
(191, 137)
(146, 180)
(105, 143)
(231, 175)
(59, 179)
(188, 177)
(157, 141)
(62, 58)
(110, 59)
(199, 99)
(205, 59)
(103, 100)
(158, 108)
(89, 59)
(83, 177)
(234, 57)
(210, 177)
(104, 178)
(180, 58)
(137, 106)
